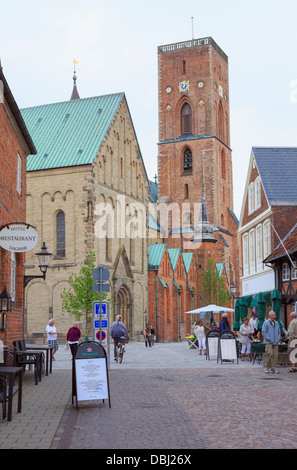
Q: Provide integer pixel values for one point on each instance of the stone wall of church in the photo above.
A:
(48, 193)
(122, 242)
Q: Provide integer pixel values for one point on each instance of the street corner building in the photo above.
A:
(15, 145)
(266, 229)
(88, 165)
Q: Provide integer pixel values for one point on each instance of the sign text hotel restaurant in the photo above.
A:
(18, 237)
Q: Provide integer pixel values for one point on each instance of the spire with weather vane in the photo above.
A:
(75, 95)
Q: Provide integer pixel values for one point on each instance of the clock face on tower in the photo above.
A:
(184, 86)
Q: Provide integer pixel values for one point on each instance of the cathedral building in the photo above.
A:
(88, 164)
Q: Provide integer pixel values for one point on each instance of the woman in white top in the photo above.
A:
(246, 335)
(199, 332)
(254, 323)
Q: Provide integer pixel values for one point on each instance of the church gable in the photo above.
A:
(119, 163)
(122, 266)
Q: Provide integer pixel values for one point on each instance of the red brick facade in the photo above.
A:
(168, 305)
(194, 127)
(15, 144)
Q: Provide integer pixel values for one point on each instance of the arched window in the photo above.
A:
(132, 244)
(184, 67)
(221, 122)
(223, 164)
(187, 159)
(257, 193)
(186, 119)
(108, 240)
(60, 228)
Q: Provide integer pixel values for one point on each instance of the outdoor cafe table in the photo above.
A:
(47, 349)
(11, 373)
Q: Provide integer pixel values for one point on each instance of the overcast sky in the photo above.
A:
(115, 43)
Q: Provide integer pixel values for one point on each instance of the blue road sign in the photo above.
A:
(97, 323)
(103, 309)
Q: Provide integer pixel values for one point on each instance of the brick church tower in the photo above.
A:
(194, 157)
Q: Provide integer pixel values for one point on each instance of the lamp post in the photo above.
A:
(5, 306)
(44, 259)
(233, 290)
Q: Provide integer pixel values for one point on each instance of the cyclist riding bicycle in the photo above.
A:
(118, 329)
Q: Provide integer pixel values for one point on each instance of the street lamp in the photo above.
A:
(5, 306)
(44, 258)
(233, 289)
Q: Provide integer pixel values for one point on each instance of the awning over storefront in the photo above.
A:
(261, 301)
(267, 299)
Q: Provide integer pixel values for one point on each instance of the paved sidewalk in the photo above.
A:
(164, 397)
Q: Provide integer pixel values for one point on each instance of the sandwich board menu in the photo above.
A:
(90, 373)
(227, 347)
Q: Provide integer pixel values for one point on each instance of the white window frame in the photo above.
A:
(252, 249)
(245, 254)
(259, 247)
(267, 238)
(19, 174)
(12, 275)
(251, 197)
(258, 193)
(293, 273)
(285, 272)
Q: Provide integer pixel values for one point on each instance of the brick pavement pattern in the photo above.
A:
(181, 401)
(165, 397)
(42, 408)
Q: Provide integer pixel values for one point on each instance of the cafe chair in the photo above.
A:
(192, 342)
(257, 349)
(22, 358)
(3, 396)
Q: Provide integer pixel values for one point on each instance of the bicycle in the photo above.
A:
(120, 349)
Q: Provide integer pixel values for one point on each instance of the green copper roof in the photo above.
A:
(69, 133)
(187, 257)
(156, 252)
(173, 256)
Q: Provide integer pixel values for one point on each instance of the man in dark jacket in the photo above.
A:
(117, 330)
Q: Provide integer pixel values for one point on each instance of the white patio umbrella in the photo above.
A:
(211, 309)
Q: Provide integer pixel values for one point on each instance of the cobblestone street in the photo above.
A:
(168, 397)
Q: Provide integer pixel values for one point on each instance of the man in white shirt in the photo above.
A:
(52, 337)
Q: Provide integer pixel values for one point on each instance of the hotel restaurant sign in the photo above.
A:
(18, 237)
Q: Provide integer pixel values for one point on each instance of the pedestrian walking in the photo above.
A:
(152, 336)
(200, 333)
(52, 337)
(147, 337)
(73, 336)
(246, 334)
(292, 345)
(271, 334)
(224, 323)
